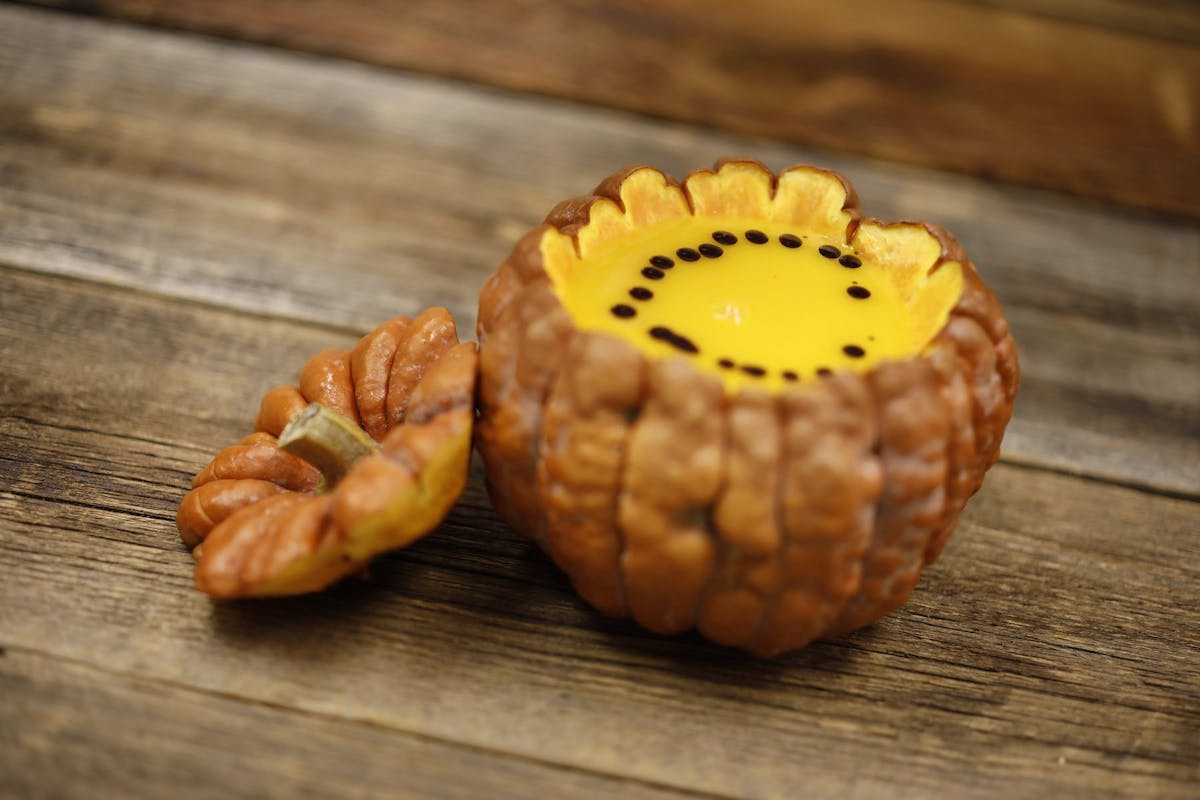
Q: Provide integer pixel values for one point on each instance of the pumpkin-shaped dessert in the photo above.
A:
(737, 404)
(367, 454)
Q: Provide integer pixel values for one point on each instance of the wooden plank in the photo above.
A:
(1049, 652)
(1034, 99)
(1167, 19)
(73, 730)
(343, 195)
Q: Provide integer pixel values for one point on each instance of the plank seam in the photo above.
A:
(376, 725)
(191, 302)
(1032, 465)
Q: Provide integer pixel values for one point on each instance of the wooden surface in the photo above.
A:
(183, 221)
(1097, 97)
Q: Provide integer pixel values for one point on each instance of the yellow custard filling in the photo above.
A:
(756, 302)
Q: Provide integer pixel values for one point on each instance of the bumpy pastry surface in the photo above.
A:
(766, 438)
(264, 522)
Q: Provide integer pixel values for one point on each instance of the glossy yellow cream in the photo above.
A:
(763, 314)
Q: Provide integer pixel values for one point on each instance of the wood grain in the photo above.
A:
(1052, 650)
(1167, 19)
(74, 729)
(184, 221)
(984, 88)
(341, 196)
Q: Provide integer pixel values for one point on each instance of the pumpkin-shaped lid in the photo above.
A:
(367, 454)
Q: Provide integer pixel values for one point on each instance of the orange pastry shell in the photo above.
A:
(765, 518)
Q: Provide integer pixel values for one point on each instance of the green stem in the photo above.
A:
(328, 441)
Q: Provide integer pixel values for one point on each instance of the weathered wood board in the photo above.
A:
(343, 195)
(1099, 98)
(184, 221)
(1046, 632)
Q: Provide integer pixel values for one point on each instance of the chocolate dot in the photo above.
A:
(758, 237)
(710, 251)
(662, 262)
(754, 371)
(824, 372)
(854, 351)
(685, 344)
(725, 363)
(860, 292)
(652, 273)
(724, 237)
(790, 376)
(687, 254)
(640, 293)
(674, 339)
(829, 251)
(850, 262)
(788, 240)
(623, 311)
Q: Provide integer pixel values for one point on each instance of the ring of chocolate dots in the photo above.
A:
(659, 265)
